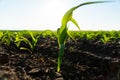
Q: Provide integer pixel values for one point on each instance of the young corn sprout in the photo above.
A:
(7, 37)
(63, 33)
(32, 44)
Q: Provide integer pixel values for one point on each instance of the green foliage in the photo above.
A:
(7, 37)
(63, 30)
(20, 38)
(105, 39)
(1, 34)
(48, 33)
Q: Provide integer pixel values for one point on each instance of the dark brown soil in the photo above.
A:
(82, 60)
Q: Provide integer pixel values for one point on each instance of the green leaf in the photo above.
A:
(75, 22)
(70, 36)
(63, 30)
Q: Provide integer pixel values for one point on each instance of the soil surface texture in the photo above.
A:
(82, 60)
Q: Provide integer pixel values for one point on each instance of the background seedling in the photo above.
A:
(21, 38)
(7, 37)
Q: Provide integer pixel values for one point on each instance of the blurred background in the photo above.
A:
(47, 14)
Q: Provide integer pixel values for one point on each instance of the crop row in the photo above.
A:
(103, 36)
(7, 37)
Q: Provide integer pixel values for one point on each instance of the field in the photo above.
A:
(32, 55)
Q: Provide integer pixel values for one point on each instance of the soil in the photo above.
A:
(82, 60)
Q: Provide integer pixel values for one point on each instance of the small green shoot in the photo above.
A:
(32, 44)
(63, 33)
(7, 37)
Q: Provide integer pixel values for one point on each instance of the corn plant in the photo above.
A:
(104, 39)
(20, 38)
(48, 33)
(1, 35)
(63, 33)
(7, 37)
